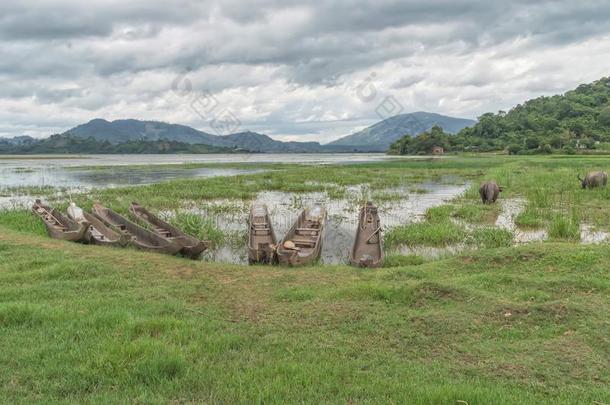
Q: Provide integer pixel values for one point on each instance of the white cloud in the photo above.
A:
(287, 69)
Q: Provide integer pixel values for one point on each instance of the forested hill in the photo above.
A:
(60, 144)
(578, 119)
(580, 115)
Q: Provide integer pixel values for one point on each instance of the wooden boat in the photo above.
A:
(303, 242)
(140, 237)
(97, 232)
(261, 237)
(368, 245)
(58, 225)
(190, 246)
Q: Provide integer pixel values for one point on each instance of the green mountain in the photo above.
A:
(579, 118)
(381, 135)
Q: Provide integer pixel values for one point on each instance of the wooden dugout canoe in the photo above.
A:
(303, 242)
(190, 245)
(261, 237)
(140, 237)
(368, 244)
(97, 232)
(58, 225)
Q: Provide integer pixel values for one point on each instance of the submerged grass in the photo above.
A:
(489, 237)
(477, 212)
(530, 218)
(562, 227)
(201, 227)
(396, 260)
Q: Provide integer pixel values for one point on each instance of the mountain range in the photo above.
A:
(381, 135)
(376, 138)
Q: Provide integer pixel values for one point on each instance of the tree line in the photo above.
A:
(66, 143)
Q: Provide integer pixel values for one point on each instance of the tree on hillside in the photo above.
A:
(423, 143)
(604, 117)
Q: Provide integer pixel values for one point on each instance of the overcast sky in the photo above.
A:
(292, 70)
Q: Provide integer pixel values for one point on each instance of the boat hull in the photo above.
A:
(58, 225)
(190, 246)
(306, 236)
(261, 236)
(368, 243)
(100, 234)
(139, 237)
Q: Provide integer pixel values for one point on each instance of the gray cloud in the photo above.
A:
(285, 67)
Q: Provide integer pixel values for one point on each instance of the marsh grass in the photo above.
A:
(530, 218)
(489, 237)
(397, 260)
(440, 229)
(548, 185)
(387, 195)
(203, 228)
(436, 233)
(477, 213)
(440, 213)
(465, 210)
(565, 227)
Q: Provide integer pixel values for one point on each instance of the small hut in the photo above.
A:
(437, 150)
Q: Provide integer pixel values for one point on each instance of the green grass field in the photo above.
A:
(493, 325)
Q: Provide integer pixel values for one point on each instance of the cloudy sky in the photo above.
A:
(294, 70)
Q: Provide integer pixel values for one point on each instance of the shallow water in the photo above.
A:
(16, 202)
(123, 160)
(75, 171)
(590, 235)
(342, 219)
(511, 208)
(107, 177)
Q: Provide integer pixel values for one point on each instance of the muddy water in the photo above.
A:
(590, 235)
(511, 208)
(342, 220)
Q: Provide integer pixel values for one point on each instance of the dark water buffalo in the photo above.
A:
(594, 179)
(489, 192)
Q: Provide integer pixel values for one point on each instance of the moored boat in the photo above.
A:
(368, 244)
(97, 232)
(303, 242)
(261, 237)
(190, 245)
(58, 225)
(140, 237)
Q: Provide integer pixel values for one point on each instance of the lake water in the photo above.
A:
(76, 171)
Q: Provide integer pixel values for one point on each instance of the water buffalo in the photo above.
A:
(489, 192)
(594, 179)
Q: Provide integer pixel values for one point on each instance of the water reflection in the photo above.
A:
(110, 170)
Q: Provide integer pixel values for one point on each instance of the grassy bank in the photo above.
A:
(513, 325)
